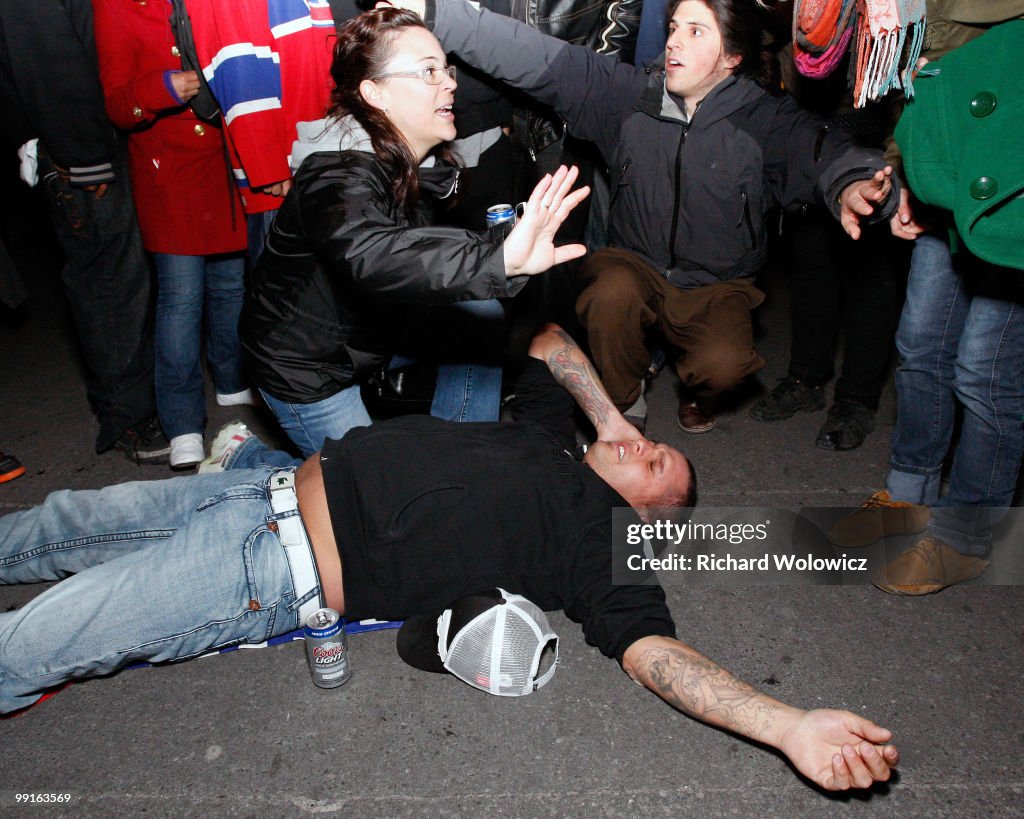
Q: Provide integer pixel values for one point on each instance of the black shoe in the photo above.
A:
(787, 399)
(144, 443)
(848, 424)
(10, 468)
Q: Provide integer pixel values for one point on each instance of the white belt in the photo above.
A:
(297, 547)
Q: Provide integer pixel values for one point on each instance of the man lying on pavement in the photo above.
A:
(395, 520)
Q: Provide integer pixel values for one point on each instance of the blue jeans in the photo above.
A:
(470, 391)
(183, 566)
(196, 292)
(960, 342)
(464, 392)
(467, 392)
(258, 226)
(107, 279)
(309, 425)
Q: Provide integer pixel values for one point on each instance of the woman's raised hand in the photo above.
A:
(530, 247)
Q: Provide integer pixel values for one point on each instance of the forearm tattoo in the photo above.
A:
(579, 378)
(702, 689)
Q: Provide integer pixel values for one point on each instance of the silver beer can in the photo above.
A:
(327, 648)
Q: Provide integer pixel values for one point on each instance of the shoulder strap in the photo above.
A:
(204, 104)
(342, 10)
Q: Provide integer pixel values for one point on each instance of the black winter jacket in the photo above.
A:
(341, 261)
(689, 197)
(607, 27)
(50, 86)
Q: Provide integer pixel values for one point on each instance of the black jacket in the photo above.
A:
(689, 198)
(50, 86)
(608, 27)
(341, 262)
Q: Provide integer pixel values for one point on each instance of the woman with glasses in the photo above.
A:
(353, 265)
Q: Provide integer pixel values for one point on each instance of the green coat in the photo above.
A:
(962, 139)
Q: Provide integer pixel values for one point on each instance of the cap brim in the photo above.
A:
(417, 644)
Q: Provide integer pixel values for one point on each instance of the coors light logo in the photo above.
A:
(328, 653)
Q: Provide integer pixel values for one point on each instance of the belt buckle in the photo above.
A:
(283, 497)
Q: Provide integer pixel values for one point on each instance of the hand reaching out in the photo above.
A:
(839, 750)
(530, 247)
(861, 198)
(904, 223)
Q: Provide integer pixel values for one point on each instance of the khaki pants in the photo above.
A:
(623, 297)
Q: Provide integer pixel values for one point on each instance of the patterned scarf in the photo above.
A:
(886, 56)
(822, 30)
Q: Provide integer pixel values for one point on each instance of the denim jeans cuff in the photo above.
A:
(974, 544)
(912, 487)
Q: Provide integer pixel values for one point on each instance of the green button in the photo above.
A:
(983, 104)
(984, 187)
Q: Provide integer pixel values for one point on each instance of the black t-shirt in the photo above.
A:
(425, 511)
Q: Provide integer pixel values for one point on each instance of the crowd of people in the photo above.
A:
(309, 232)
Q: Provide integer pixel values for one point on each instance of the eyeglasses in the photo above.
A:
(431, 75)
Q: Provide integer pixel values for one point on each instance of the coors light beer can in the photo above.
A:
(327, 648)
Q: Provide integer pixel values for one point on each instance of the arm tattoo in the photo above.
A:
(702, 689)
(577, 376)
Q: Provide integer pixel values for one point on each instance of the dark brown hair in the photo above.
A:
(365, 44)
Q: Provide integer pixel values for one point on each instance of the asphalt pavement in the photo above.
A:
(247, 733)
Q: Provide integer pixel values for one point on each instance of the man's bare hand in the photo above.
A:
(861, 198)
(97, 191)
(530, 247)
(839, 750)
(904, 224)
(186, 84)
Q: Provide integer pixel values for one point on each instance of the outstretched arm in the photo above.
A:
(573, 370)
(837, 750)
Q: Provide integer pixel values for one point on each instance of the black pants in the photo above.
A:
(838, 282)
(107, 279)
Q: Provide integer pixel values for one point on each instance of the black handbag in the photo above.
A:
(405, 390)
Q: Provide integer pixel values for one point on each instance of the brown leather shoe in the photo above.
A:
(692, 419)
(928, 566)
(879, 517)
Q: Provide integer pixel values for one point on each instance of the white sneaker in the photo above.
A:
(186, 450)
(231, 436)
(235, 399)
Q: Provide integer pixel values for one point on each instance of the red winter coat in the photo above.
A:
(186, 200)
